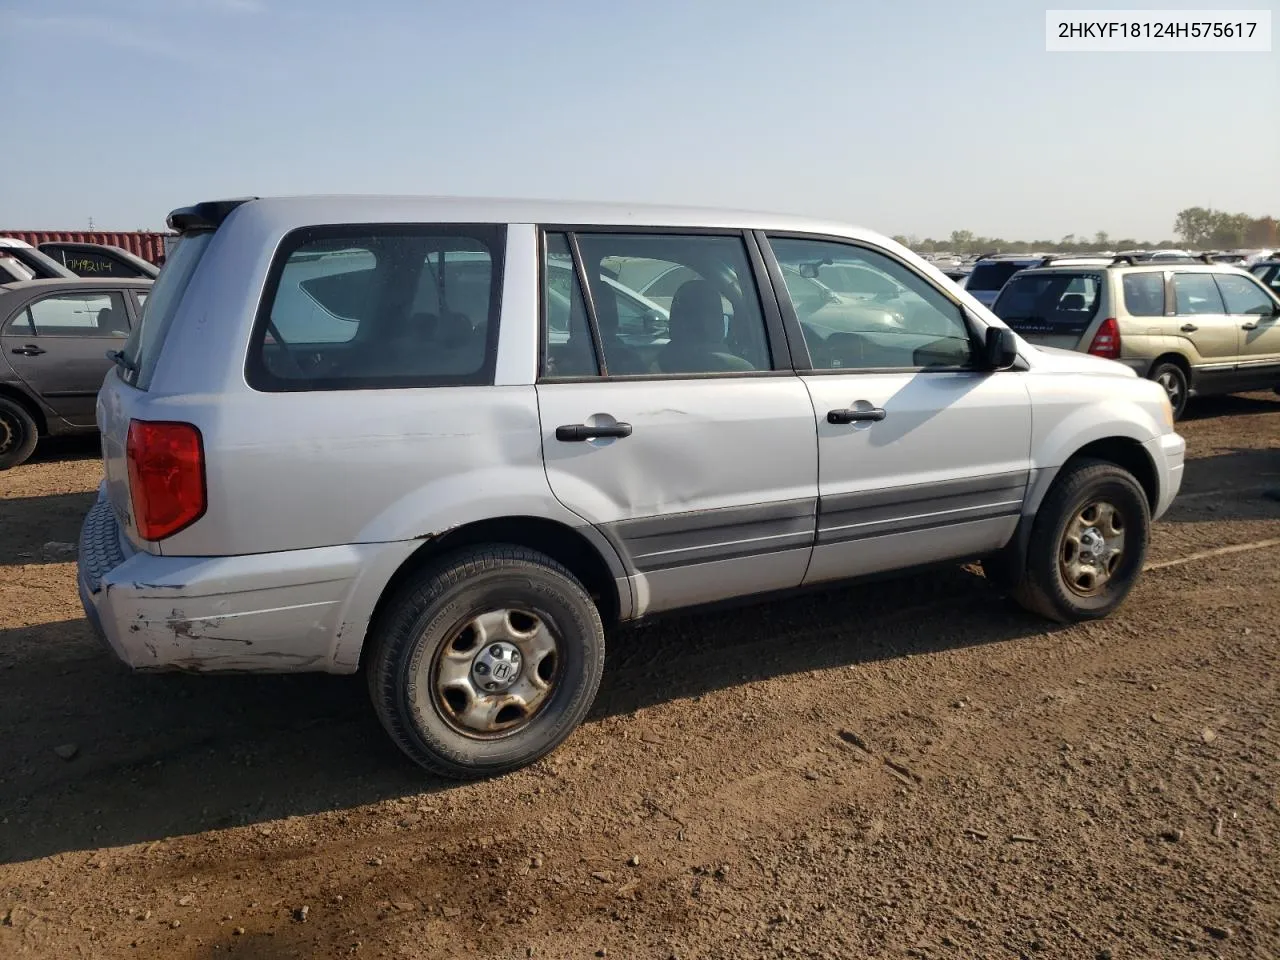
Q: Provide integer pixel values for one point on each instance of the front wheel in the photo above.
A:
(486, 662)
(1088, 544)
(1174, 381)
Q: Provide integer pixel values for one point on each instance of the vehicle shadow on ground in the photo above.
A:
(84, 446)
(42, 529)
(1228, 405)
(1243, 484)
(166, 755)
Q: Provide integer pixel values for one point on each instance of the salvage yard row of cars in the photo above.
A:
(451, 442)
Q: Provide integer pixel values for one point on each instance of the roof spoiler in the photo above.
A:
(203, 216)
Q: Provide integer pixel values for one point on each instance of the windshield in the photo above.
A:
(142, 349)
(1057, 302)
(992, 276)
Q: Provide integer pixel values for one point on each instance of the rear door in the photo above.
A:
(922, 456)
(692, 449)
(1202, 318)
(57, 344)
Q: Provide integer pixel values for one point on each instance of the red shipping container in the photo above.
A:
(147, 244)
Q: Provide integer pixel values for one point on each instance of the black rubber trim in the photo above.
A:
(704, 536)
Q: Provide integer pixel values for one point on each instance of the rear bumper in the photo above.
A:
(1167, 453)
(301, 610)
(1139, 365)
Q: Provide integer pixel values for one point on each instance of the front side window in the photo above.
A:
(75, 315)
(379, 307)
(1144, 294)
(869, 311)
(1196, 293)
(1242, 296)
(711, 322)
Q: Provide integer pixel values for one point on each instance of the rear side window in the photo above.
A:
(77, 315)
(1144, 294)
(1196, 293)
(1243, 296)
(992, 276)
(375, 306)
(142, 349)
(1051, 301)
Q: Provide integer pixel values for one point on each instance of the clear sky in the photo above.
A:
(906, 116)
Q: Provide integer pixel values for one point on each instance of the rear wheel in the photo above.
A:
(1173, 379)
(486, 662)
(18, 433)
(1087, 546)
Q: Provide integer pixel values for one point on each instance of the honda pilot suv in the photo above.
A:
(443, 442)
(1195, 327)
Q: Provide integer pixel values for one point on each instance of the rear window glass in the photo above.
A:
(1049, 300)
(1144, 294)
(392, 306)
(992, 276)
(91, 263)
(142, 349)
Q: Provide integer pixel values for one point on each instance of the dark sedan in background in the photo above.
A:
(54, 338)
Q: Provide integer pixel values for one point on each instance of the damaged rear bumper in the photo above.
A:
(274, 612)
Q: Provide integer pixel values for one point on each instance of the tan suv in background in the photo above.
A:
(1194, 327)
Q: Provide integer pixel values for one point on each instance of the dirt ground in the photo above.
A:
(912, 768)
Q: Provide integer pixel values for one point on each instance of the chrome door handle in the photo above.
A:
(1188, 328)
(873, 414)
(1249, 326)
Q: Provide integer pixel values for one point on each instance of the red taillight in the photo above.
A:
(1106, 342)
(166, 477)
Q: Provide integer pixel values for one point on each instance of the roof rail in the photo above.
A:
(1055, 257)
(203, 216)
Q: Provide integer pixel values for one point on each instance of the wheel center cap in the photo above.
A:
(496, 667)
(1092, 543)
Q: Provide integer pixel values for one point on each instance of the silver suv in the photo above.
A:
(442, 441)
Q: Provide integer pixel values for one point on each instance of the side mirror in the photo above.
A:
(1000, 348)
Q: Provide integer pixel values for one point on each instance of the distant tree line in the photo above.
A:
(1197, 227)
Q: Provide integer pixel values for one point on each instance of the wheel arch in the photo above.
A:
(24, 400)
(582, 550)
(1125, 452)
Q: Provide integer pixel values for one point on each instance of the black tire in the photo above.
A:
(1173, 379)
(18, 433)
(1044, 588)
(422, 625)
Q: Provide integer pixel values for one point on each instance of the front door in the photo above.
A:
(922, 457)
(57, 344)
(1202, 318)
(1253, 310)
(687, 440)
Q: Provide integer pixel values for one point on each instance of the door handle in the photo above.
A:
(28, 350)
(577, 432)
(872, 414)
(1188, 328)
(1249, 326)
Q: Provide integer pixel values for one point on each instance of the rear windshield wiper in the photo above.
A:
(117, 356)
